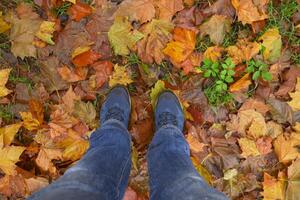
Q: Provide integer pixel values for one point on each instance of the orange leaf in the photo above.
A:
(37, 110)
(79, 11)
(86, 58)
(103, 70)
(72, 76)
(182, 46)
(241, 85)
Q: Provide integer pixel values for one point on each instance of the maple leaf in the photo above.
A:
(23, 32)
(29, 122)
(182, 46)
(286, 147)
(264, 145)
(155, 91)
(121, 36)
(45, 157)
(37, 110)
(45, 32)
(167, 8)
(103, 70)
(241, 85)
(84, 111)
(213, 53)
(79, 11)
(71, 76)
(255, 104)
(249, 11)
(292, 191)
(69, 100)
(216, 27)
(7, 133)
(86, 58)
(119, 76)
(4, 74)
(136, 10)
(271, 40)
(8, 157)
(273, 188)
(248, 147)
(4, 26)
(157, 35)
(194, 143)
(295, 102)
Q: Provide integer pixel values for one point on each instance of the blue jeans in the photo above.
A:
(103, 171)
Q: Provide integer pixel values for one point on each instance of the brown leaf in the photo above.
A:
(221, 7)
(281, 111)
(264, 145)
(12, 186)
(36, 183)
(86, 58)
(195, 145)
(79, 10)
(37, 110)
(167, 8)
(186, 19)
(255, 104)
(142, 132)
(69, 100)
(45, 157)
(290, 79)
(103, 70)
(136, 10)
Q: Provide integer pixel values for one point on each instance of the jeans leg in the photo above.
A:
(172, 174)
(103, 171)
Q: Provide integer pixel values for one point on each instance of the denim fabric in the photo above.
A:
(104, 170)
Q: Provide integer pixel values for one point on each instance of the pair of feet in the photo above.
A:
(117, 106)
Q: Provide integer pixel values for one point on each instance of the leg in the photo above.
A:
(172, 174)
(104, 170)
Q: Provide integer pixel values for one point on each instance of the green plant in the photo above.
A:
(222, 74)
(6, 112)
(202, 43)
(62, 10)
(258, 69)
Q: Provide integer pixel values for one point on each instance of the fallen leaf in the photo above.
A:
(103, 69)
(72, 1)
(286, 148)
(274, 129)
(4, 26)
(84, 111)
(136, 10)
(79, 74)
(119, 76)
(182, 46)
(4, 74)
(36, 183)
(230, 174)
(80, 50)
(8, 133)
(213, 53)
(45, 32)
(264, 145)
(45, 157)
(294, 103)
(194, 144)
(216, 27)
(12, 186)
(69, 100)
(167, 8)
(249, 11)
(86, 58)
(290, 80)
(271, 40)
(29, 122)
(79, 10)
(155, 91)
(281, 111)
(8, 157)
(121, 36)
(255, 104)
(293, 182)
(248, 147)
(157, 35)
(37, 110)
(203, 172)
(273, 188)
(76, 150)
(241, 85)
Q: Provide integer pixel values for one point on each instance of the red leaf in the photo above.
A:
(79, 11)
(86, 58)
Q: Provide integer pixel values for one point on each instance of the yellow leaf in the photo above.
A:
(76, 150)
(182, 46)
(286, 147)
(297, 127)
(45, 157)
(202, 171)
(213, 53)
(120, 76)
(230, 174)
(8, 157)
(4, 73)
(273, 189)
(29, 122)
(80, 50)
(9, 132)
(243, 51)
(241, 85)
(271, 41)
(295, 102)
(45, 33)
(3, 25)
(72, 1)
(248, 147)
(156, 90)
(294, 180)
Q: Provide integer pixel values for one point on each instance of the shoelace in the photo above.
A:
(115, 113)
(167, 118)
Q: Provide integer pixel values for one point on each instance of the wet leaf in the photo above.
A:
(119, 76)
(4, 74)
(121, 36)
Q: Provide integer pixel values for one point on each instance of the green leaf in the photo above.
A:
(250, 69)
(229, 79)
(266, 75)
(231, 72)
(256, 75)
(207, 74)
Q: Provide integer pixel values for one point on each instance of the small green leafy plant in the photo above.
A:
(258, 69)
(222, 74)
